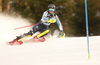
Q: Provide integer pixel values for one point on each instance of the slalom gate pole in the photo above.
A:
(87, 28)
(24, 26)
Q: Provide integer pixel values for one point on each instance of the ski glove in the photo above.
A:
(62, 34)
(53, 20)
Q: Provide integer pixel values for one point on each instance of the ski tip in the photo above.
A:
(9, 43)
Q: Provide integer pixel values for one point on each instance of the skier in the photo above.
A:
(48, 17)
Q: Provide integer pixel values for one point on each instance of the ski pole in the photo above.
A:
(24, 26)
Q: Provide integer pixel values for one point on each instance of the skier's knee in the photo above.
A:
(43, 33)
(30, 33)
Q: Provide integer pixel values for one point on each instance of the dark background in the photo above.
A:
(70, 12)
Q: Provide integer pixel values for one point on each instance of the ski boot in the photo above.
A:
(12, 42)
(15, 42)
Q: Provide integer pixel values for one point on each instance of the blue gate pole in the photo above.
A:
(87, 28)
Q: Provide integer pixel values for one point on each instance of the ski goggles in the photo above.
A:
(52, 10)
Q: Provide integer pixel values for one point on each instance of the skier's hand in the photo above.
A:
(62, 34)
(52, 20)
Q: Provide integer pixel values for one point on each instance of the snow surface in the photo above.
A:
(55, 51)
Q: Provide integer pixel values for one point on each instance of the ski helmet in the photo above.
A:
(52, 6)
